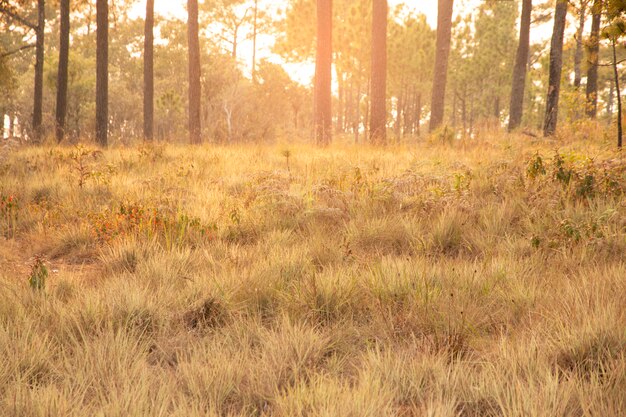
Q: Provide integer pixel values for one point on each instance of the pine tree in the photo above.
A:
(556, 66)
(195, 88)
(594, 54)
(323, 74)
(102, 72)
(148, 73)
(520, 68)
(63, 69)
(39, 64)
(444, 35)
(378, 123)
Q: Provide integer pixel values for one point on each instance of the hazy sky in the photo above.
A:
(428, 7)
(302, 73)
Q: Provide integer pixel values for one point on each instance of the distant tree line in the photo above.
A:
(379, 72)
(117, 76)
(483, 70)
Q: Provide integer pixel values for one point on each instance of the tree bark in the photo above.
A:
(254, 37)
(102, 72)
(556, 66)
(62, 75)
(357, 115)
(520, 68)
(195, 88)
(619, 95)
(11, 125)
(418, 114)
(39, 63)
(378, 121)
(610, 104)
(578, 54)
(148, 73)
(340, 102)
(594, 53)
(444, 34)
(323, 74)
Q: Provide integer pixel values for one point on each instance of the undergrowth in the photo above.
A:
(478, 278)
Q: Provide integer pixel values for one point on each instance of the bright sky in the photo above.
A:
(428, 7)
(304, 73)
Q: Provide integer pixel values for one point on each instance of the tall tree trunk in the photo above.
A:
(357, 116)
(102, 72)
(148, 73)
(579, 53)
(195, 88)
(399, 110)
(378, 122)
(39, 62)
(409, 112)
(418, 114)
(341, 90)
(11, 125)
(520, 68)
(594, 53)
(323, 73)
(347, 106)
(62, 75)
(254, 36)
(454, 100)
(444, 34)
(556, 66)
(496, 111)
(464, 113)
(619, 95)
(610, 104)
(368, 109)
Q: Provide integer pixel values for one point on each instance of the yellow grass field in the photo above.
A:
(482, 278)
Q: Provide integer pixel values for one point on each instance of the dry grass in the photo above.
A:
(483, 278)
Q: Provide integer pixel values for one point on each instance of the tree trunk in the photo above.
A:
(378, 122)
(594, 53)
(454, 103)
(340, 101)
(399, 111)
(609, 103)
(235, 43)
(418, 114)
(496, 111)
(619, 95)
(11, 125)
(444, 34)
(102, 72)
(520, 68)
(39, 63)
(347, 104)
(464, 113)
(148, 73)
(357, 116)
(254, 36)
(409, 112)
(195, 88)
(578, 54)
(62, 75)
(556, 66)
(323, 73)
(368, 109)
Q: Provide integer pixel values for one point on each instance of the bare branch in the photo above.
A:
(14, 16)
(15, 51)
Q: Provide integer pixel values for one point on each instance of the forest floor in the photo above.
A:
(482, 278)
